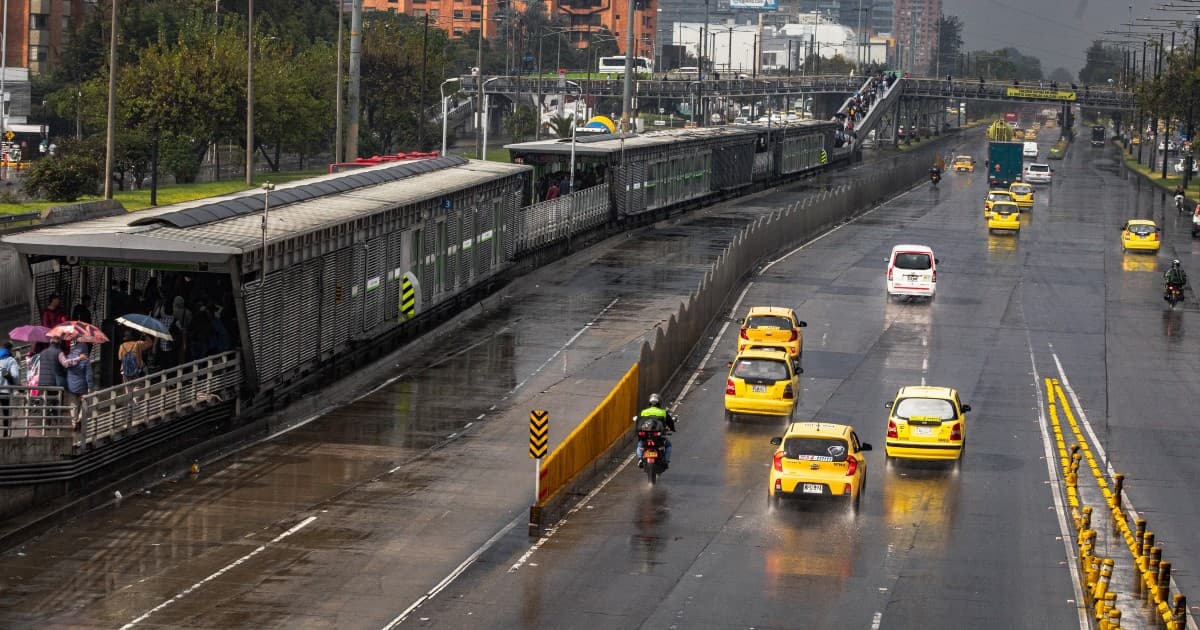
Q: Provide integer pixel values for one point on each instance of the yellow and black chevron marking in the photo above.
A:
(539, 433)
(408, 297)
(824, 157)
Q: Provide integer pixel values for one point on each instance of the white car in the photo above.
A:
(912, 272)
(1036, 173)
(1180, 166)
(1030, 150)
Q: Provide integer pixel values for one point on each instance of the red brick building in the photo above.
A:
(38, 30)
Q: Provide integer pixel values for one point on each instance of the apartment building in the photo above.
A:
(915, 27)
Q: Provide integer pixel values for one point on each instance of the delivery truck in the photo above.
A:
(1004, 163)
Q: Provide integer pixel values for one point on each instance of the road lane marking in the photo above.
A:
(566, 345)
(1056, 492)
(185, 592)
(1081, 415)
(449, 579)
(876, 621)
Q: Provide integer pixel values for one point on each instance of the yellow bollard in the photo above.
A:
(1114, 619)
(1139, 536)
(1118, 486)
(1164, 583)
(1087, 517)
(1105, 605)
(1101, 588)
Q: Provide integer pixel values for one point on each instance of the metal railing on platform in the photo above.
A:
(34, 412)
(109, 413)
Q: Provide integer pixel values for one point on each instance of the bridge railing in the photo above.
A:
(161, 396)
(34, 412)
(556, 219)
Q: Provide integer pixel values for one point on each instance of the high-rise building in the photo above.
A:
(915, 27)
(585, 18)
(38, 30)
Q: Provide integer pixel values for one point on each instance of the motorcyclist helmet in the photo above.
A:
(655, 400)
(1175, 264)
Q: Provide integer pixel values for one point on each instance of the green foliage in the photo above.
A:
(177, 157)
(561, 125)
(1004, 64)
(950, 42)
(520, 124)
(1103, 63)
(74, 172)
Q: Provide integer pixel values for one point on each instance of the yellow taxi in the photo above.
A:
(761, 382)
(1022, 194)
(996, 195)
(928, 423)
(819, 459)
(1004, 215)
(1140, 234)
(963, 163)
(772, 325)
(1018, 134)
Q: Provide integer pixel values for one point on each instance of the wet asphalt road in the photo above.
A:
(402, 486)
(345, 520)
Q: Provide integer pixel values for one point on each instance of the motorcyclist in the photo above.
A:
(654, 418)
(1180, 200)
(1175, 276)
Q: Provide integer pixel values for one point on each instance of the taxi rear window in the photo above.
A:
(769, 321)
(760, 370)
(1039, 168)
(998, 197)
(1141, 229)
(924, 408)
(815, 449)
(913, 261)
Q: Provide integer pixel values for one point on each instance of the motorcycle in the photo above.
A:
(1173, 295)
(653, 453)
(1180, 204)
(935, 177)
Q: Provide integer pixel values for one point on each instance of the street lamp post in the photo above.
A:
(421, 88)
(267, 187)
(249, 95)
(1191, 132)
(112, 104)
(445, 113)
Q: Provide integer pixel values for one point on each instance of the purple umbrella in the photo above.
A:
(30, 334)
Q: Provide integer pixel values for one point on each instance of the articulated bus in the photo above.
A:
(616, 65)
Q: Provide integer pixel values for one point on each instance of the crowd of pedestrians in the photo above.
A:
(860, 104)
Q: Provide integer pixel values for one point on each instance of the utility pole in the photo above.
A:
(112, 104)
(355, 72)
(421, 89)
(627, 89)
(1187, 170)
(339, 112)
(249, 93)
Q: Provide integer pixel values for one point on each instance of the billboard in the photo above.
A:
(757, 5)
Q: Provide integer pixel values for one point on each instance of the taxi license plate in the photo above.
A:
(911, 277)
(923, 431)
(813, 488)
(758, 389)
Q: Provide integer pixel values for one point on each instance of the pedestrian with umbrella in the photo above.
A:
(132, 352)
(55, 363)
(79, 381)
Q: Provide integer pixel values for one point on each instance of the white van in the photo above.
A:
(911, 271)
(1031, 150)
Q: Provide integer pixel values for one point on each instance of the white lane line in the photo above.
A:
(185, 592)
(1056, 491)
(449, 579)
(1096, 446)
(563, 521)
(876, 621)
(566, 345)
(711, 349)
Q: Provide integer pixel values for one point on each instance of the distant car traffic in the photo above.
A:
(761, 383)
(963, 163)
(774, 325)
(994, 196)
(1030, 150)
(1037, 173)
(1022, 194)
(1140, 234)
(819, 459)
(926, 423)
(1181, 165)
(1004, 215)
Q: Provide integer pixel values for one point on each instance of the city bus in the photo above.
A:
(616, 65)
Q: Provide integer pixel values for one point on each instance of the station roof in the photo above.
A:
(606, 144)
(215, 229)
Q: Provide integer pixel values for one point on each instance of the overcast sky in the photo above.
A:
(1056, 31)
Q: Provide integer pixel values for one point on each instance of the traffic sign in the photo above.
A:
(539, 433)
(9, 135)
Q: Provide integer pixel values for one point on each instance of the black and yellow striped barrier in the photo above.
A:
(539, 433)
(408, 297)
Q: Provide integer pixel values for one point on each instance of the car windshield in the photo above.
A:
(924, 408)
(1020, 190)
(963, 158)
(769, 321)
(1141, 229)
(999, 197)
(761, 369)
(815, 449)
(911, 260)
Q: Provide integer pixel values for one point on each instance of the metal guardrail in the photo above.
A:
(9, 220)
(112, 412)
(550, 221)
(35, 412)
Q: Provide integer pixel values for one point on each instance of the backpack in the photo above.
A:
(6, 365)
(130, 366)
(649, 424)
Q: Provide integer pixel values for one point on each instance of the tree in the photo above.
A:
(1005, 64)
(1061, 75)
(950, 42)
(73, 172)
(1103, 63)
(520, 124)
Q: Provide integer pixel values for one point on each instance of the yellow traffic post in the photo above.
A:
(1139, 536)
(539, 444)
